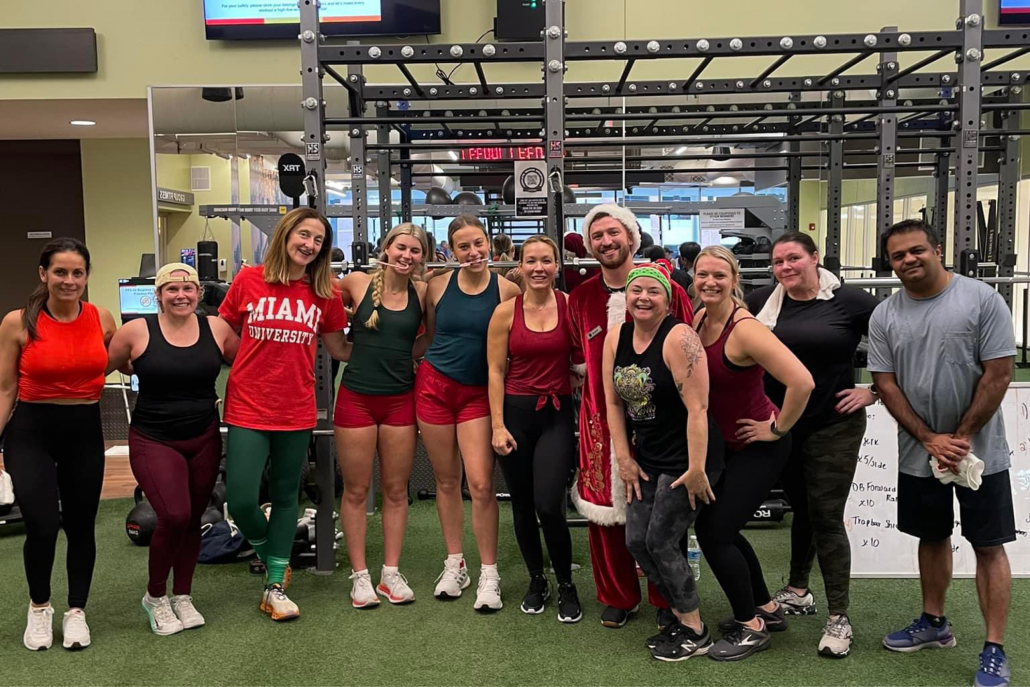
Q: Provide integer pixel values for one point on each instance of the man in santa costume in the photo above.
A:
(612, 235)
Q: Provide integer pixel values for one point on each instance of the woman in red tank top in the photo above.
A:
(528, 349)
(740, 350)
(53, 359)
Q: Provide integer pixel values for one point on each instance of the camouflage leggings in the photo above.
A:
(817, 481)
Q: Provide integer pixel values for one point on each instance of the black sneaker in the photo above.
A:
(685, 644)
(775, 621)
(667, 634)
(740, 643)
(616, 617)
(664, 616)
(569, 610)
(539, 591)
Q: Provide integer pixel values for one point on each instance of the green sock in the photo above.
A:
(276, 569)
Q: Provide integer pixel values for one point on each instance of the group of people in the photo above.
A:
(686, 419)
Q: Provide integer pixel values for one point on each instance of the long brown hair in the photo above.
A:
(277, 261)
(41, 293)
(503, 247)
(724, 254)
(379, 277)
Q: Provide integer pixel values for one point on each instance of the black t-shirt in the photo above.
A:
(824, 336)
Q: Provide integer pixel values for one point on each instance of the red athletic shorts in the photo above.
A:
(354, 410)
(439, 400)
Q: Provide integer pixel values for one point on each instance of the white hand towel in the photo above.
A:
(970, 472)
(770, 312)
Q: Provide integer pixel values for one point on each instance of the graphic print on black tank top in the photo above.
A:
(634, 386)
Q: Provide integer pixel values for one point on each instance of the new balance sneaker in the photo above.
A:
(277, 605)
(994, 669)
(775, 621)
(183, 606)
(453, 579)
(394, 587)
(39, 628)
(617, 617)
(740, 643)
(667, 634)
(664, 616)
(488, 593)
(793, 604)
(75, 630)
(569, 610)
(362, 595)
(161, 616)
(683, 644)
(536, 596)
(920, 635)
(836, 639)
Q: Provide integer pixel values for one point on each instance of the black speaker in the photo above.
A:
(207, 260)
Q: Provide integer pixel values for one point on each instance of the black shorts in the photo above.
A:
(926, 509)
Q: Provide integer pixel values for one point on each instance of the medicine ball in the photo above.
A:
(437, 196)
(508, 190)
(467, 198)
(211, 516)
(141, 521)
(568, 195)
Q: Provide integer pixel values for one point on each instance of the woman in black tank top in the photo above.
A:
(656, 388)
(174, 442)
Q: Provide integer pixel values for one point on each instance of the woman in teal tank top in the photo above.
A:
(453, 407)
(375, 406)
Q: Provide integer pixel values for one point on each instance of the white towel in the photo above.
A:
(770, 312)
(970, 472)
(6, 489)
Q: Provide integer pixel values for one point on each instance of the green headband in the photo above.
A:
(654, 273)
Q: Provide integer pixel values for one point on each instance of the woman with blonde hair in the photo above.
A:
(529, 348)
(453, 408)
(278, 308)
(740, 352)
(375, 406)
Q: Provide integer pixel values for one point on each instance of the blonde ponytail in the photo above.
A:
(379, 278)
(377, 292)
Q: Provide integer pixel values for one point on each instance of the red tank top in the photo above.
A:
(538, 362)
(67, 360)
(735, 393)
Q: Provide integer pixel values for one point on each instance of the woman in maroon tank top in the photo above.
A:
(740, 351)
(528, 350)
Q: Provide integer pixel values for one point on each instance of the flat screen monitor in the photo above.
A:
(1014, 12)
(135, 300)
(257, 19)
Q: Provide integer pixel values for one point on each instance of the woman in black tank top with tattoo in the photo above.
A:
(656, 388)
(174, 441)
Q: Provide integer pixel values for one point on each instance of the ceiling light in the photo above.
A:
(726, 181)
(680, 151)
(83, 122)
(454, 155)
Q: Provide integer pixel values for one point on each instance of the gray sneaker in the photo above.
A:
(836, 639)
(740, 643)
(792, 604)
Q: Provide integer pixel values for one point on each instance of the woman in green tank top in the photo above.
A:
(375, 406)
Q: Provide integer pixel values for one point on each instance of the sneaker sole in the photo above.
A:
(949, 644)
(567, 619)
(446, 596)
(531, 611)
(76, 646)
(830, 653)
(802, 610)
(194, 626)
(486, 609)
(367, 604)
(615, 626)
(392, 599)
(37, 648)
(702, 651)
(740, 657)
(266, 609)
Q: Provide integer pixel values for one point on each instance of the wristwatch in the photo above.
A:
(776, 430)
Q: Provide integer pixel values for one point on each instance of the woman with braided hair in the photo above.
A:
(375, 406)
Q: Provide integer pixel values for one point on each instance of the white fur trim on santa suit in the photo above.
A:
(614, 514)
(625, 217)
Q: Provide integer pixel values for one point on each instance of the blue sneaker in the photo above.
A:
(920, 635)
(994, 669)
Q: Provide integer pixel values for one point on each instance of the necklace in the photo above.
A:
(612, 289)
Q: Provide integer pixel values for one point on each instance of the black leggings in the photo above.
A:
(749, 475)
(55, 454)
(537, 474)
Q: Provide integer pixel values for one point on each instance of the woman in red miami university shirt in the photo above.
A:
(278, 308)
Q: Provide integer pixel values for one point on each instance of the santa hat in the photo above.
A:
(624, 215)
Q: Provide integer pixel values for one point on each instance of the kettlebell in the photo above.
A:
(141, 521)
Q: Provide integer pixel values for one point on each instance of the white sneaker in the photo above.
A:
(452, 580)
(187, 612)
(162, 619)
(75, 629)
(394, 587)
(836, 640)
(793, 604)
(276, 604)
(39, 629)
(362, 595)
(488, 593)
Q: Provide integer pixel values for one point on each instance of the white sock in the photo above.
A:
(153, 599)
(389, 570)
(489, 568)
(360, 572)
(456, 557)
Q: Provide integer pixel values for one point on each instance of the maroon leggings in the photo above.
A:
(177, 478)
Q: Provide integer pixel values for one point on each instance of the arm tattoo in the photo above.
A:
(679, 387)
(691, 345)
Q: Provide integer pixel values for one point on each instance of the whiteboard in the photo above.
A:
(878, 549)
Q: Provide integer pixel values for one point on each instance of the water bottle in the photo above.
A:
(694, 557)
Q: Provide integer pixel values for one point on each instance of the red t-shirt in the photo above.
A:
(272, 382)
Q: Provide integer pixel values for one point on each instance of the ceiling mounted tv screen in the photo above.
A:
(259, 19)
(1014, 12)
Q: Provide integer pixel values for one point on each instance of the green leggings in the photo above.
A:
(248, 452)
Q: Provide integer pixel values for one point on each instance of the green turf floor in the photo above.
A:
(446, 643)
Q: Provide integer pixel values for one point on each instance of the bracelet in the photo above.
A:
(776, 430)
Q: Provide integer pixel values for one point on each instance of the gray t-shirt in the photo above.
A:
(934, 347)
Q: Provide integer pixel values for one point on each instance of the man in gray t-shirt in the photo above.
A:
(941, 353)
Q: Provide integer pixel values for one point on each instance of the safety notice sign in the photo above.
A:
(722, 219)
(530, 188)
